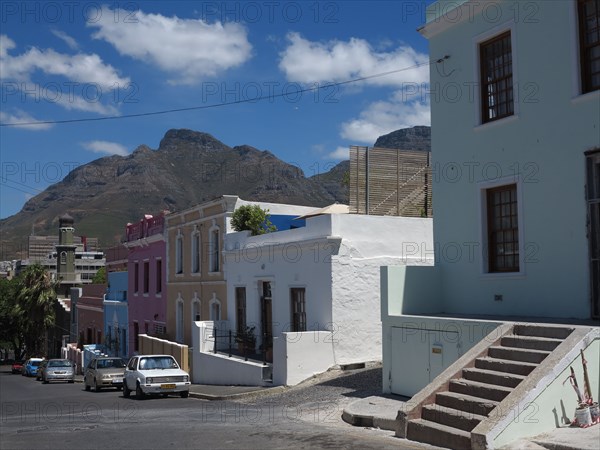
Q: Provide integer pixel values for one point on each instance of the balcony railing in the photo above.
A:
(240, 345)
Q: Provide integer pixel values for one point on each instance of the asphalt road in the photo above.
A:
(35, 415)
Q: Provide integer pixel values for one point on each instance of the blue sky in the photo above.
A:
(87, 60)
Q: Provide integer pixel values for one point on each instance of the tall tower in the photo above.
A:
(65, 252)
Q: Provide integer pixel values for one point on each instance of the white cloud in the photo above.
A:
(306, 61)
(339, 153)
(190, 49)
(22, 117)
(72, 43)
(80, 68)
(384, 117)
(106, 147)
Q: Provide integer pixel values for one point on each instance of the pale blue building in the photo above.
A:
(116, 314)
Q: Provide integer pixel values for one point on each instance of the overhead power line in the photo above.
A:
(222, 104)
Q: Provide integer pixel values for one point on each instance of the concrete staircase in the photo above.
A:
(473, 396)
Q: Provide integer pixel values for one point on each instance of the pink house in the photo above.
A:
(147, 288)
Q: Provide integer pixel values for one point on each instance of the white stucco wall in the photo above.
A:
(299, 356)
(336, 258)
(541, 148)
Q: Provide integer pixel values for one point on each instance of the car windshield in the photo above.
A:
(158, 362)
(59, 363)
(116, 363)
(35, 363)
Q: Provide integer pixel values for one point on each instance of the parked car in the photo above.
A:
(58, 370)
(40, 369)
(155, 374)
(17, 367)
(31, 366)
(104, 372)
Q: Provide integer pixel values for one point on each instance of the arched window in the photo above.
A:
(196, 251)
(196, 308)
(214, 245)
(63, 257)
(215, 308)
(179, 252)
(179, 319)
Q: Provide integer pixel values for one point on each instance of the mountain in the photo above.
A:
(188, 168)
(415, 138)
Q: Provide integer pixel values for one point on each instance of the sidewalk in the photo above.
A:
(380, 412)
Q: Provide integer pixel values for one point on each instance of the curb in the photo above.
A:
(241, 395)
(368, 421)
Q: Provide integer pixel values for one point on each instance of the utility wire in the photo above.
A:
(218, 105)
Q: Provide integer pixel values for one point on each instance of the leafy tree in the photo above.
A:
(100, 276)
(36, 295)
(253, 218)
(11, 330)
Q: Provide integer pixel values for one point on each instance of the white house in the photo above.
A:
(515, 109)
(312, 293)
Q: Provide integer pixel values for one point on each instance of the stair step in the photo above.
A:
(542, 331)
(477, 389)
(433, 433)
(492, 377)
(517, 354)
(505, 365)
(530, 342)
(467, 403)
(451, 417)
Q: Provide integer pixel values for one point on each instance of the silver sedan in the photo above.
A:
(58, 370)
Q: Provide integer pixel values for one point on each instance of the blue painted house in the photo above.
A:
(116, 314)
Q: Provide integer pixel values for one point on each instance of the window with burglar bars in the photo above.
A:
(298, 309)
(589, 42)
(240, 309)
(503, 229)
(496, 78)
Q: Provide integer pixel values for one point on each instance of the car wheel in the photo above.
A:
(85, 384)
(96, 387)
(184, 394)
(139, 394)
(126, 391)
(71, 381)
(165, 395)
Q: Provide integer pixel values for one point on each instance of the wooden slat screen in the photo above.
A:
(390, 182)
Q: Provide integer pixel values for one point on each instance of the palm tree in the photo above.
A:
(36, 298)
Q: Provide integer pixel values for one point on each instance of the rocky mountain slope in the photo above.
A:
(188, 168)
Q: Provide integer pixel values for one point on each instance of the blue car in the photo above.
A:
(30, 367)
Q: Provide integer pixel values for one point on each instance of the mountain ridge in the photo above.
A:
(188, 167)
